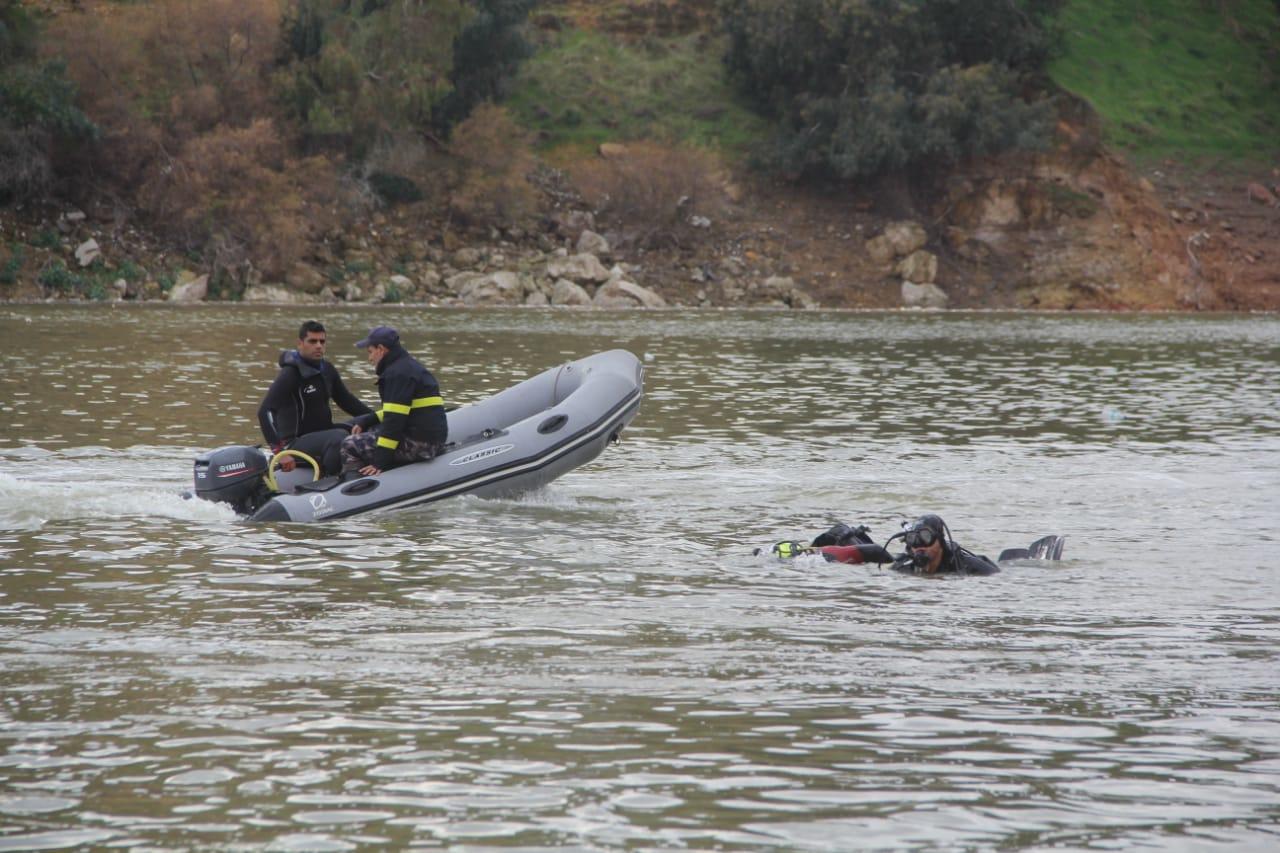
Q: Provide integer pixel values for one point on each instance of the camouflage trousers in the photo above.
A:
(358, 450)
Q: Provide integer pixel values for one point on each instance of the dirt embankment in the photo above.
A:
(1052, 232)
(1075, 228)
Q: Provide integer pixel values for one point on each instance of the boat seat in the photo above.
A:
(324, 484)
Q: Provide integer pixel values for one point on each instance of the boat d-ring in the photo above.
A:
(271, 467)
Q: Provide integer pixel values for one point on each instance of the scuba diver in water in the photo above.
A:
(931, 549)
(295, 413)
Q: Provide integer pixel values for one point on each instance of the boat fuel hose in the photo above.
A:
(271, 467)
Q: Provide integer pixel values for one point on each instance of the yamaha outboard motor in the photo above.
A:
(233, 475)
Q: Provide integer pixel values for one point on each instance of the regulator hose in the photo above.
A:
(271, 467)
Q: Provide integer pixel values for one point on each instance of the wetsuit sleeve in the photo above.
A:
(397, 397)
(976, 564)
(348, 402)
(278, 397)
(855, 554)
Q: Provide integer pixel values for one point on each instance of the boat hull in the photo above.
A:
(514, 442)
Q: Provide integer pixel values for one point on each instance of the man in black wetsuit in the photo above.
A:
(295, 414)
(411, 425)
(930, 549)
(933, 551)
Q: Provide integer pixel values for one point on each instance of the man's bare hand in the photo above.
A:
(371, 470)
(356, 429)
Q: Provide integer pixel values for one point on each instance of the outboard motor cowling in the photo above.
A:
(233, 475)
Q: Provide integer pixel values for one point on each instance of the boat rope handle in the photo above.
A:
(271, 467)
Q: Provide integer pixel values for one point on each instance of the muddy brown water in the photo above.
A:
(604, 664)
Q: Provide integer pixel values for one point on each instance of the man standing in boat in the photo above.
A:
(411, 425)
(295, 413)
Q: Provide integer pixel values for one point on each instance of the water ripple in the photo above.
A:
(605, 664)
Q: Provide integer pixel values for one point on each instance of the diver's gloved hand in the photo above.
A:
(910, 562)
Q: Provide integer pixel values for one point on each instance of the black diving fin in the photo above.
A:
(1044, 548)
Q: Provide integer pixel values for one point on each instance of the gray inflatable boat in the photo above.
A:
(515, 441)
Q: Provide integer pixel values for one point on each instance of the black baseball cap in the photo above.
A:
(383, 336)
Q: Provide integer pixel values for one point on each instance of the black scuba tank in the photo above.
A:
(233, 475)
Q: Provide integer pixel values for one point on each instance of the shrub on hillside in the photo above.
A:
(486, 55)
(237, 195)
(409, 168)
(156, 76)
(37, 108)
(494, 160)
(651, 193)
(359, 72)
(190, 138)
(186, 67)
(859, 88)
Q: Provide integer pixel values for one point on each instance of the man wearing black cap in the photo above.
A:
(295, 412)
(933, 551)
(411, 424)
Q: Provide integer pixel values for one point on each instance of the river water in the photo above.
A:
(604, 664)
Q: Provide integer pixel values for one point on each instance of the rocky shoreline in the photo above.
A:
(581, 275)
(1043, 234)
(389, 263)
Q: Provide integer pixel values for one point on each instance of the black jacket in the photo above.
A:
(298, 400)
(411, 406)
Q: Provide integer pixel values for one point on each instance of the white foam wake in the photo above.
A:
(59, 487)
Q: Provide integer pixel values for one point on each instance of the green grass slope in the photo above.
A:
(584, 87)
(1197, 78)
(1183, 78)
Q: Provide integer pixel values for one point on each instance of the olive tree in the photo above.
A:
(862, 88)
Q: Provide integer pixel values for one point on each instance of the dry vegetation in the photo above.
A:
(190, 141)
(653, 195)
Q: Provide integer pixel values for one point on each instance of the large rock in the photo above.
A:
(919, 266)
(923, 295)
(582, 268)
(272, 293)
(430, 282)
(997, 204)
(566, 293)
(455, 283)
(905, 237)
(190, 288)
(591, 243)
(618, 293)
(571, 223)
(468, 258)
(305, 278)
(398, 288)
(88, 252)
(782, 291)
(880, 250)
(498, 288)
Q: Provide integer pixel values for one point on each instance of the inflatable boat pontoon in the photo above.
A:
(513, 442)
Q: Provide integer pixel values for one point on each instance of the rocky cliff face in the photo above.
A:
(1061, 232)
(1066, 235)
